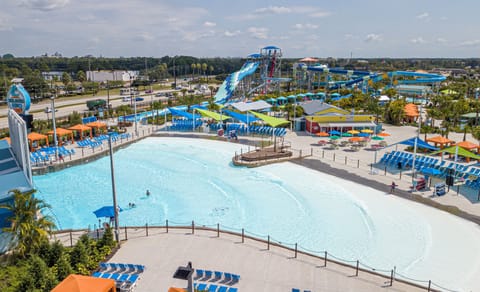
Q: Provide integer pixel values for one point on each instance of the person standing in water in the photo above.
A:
(148, 193)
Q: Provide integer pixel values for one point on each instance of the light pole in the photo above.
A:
(193, 116)
(54, 126)
(294, 115)
(114, 193)
(133, 99)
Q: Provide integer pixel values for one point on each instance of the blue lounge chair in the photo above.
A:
(228, 277)
(115, 276)
(218, 275)
(106, 275)
(202, 287)
(235, 278)
(199, 273)
(233, 289)
(97, 275)
(208, 274)
(222, 289)
(212, 288)
(103, 266)
(295, 290)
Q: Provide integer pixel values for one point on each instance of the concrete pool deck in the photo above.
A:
(260, 269)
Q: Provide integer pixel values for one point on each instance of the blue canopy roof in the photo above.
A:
(241, 117)
(179, 113)
(282, 98)
(430, 171)
(291, 97)
(420, 143)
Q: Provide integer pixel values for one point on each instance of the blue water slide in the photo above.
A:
(228, 86)
(358, 76)
(420, 77)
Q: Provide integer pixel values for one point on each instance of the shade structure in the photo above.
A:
(322, 134)
(383, 134)
(61, 132)
(274, 122)
(213, 115)
(81, 128)
(448, 91)
(180, 113)
(97, 124)
(458, 151)
(244, 118)
(356, 139)
(377, 138)
(175, 289)
(105, 211)
(368, 131)
(334, 133)
(335, 137)
(415, 140)
(346, 134)
(34, 137)
(468, 145)
(7, 139)
(439, 140)
(363, 135)
(353, 132)
(79, 283)
(430, 171)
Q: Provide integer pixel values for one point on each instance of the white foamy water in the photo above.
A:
(193, 179)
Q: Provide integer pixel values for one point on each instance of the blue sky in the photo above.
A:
(210, 28)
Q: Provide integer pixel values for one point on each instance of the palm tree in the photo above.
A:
(27, 227)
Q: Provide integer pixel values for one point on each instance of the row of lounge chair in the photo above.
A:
(125, 275)
(213, 288)
(89, 143)
(298, 290)
(44, 155)
(227, 278)
(466, 173)
(184, 125)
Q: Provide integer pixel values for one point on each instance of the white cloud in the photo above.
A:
(441, 40)
(470, 43)
(418, 40)
(44, 5)
(144, 36)
(372, 37)
(320, 14)
(209, 24)
(258, 32)
(423, 16)
(228, 33)
(273, 10)
(349, 36)
(4, 23)
(305, 26)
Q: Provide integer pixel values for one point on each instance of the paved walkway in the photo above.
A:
(260, 269)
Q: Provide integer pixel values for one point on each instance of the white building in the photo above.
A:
(113, 75)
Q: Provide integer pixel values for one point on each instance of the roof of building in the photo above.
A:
(315, 106)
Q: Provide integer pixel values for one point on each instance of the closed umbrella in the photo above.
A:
(368, 131)
(353, 132)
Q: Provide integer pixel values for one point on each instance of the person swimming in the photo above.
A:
(148, 193)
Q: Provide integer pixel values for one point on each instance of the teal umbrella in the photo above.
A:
(377, 138)
(346, 134)
(335, 137)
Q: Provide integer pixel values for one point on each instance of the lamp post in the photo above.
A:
(114, 193)
(294, 115)
(193, 117)
(54, 126)
(133, 99)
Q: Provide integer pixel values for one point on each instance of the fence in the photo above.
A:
(70, 237)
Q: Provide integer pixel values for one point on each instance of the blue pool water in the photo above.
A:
(193, 179)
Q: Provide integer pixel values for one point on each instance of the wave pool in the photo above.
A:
(193, 179)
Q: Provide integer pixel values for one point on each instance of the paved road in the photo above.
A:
(66, 106)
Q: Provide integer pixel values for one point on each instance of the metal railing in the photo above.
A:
(70, 237)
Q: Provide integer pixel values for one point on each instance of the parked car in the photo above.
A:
(96, 104)
(148, 91)
(160, 94)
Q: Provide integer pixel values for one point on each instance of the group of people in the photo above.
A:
(132, 205)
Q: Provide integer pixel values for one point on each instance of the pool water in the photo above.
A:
(194, 179)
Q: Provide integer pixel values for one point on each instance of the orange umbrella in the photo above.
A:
(322, 134)
(467, 145)
(383, 134)
(356, 139)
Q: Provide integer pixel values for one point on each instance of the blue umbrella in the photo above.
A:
(363, 135)
(334, 133)
(106, 211)
(430, 171)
